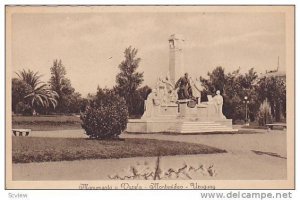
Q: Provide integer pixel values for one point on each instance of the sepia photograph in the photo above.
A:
(150, 97)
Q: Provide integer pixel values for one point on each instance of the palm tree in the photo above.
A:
(40, 94)
(29, 77)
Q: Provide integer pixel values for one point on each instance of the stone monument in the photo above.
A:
(176, 67)
(167, 109)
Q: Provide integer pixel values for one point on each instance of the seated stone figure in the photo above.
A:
(152, 105)
(185, 89)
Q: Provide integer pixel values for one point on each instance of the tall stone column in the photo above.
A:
(176, 67)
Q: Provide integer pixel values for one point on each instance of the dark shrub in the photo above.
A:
(106, 117)
(239, 122)
(23, 108)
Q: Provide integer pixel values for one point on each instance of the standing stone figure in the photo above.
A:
(162, 91)
(185, 90)
(168, 84)
(160, 87)
(218, 101)
(170, 89)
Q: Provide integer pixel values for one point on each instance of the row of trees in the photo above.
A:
(107, 113)
(235, 87)
(30, 95)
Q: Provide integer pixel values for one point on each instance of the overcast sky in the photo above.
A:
(91, 45)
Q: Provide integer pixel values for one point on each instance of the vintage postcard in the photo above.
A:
(150, 97)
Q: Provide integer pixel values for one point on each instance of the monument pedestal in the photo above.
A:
(182, 119)
(184, 110)
(178, 126)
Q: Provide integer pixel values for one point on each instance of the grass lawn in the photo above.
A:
(35, 149)
(46, 123)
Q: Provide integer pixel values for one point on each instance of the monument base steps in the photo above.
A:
(178, 126)
(201, 127)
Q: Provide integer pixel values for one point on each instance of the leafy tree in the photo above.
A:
(216, 81)
(19, 91)
(73, 103)
(62, 86)
(274, 90)
(100, 96)
(128, 80)
(139, 100)
(23, 108)
(238, 87)
(39, 94)
(234, 87)
(83, 104)
(144, 91)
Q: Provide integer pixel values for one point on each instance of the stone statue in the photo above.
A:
(218, 102)
(152, 105)
(173, 96)
(170, 91)
(168, 83)
(196, 88)
(185, 90)
(160, 87)
(162, 91)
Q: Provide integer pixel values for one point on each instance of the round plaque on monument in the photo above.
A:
(191, 104)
